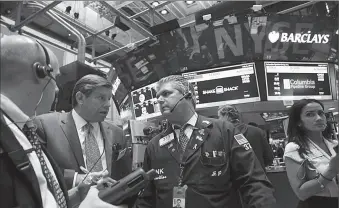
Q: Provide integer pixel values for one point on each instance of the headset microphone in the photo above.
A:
(187, 95)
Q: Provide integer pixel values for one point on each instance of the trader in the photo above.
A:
(29, 175)
(197, 159)
(255, 135)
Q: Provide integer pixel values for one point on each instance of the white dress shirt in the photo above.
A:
(189, 129)
(48, 200)
(319, 159)
(79, 123)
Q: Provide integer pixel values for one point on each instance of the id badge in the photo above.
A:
(179, 195)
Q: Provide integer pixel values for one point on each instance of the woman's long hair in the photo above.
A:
(295, 132)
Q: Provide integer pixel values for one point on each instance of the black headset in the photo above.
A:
(41, 70)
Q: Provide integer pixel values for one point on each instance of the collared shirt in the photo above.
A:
(79, 123)
(189, 129)
(48, 200)
(318, 158)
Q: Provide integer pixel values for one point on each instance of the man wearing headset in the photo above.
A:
(199, 160)
(29, 175)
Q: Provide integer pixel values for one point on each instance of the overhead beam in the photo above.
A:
(119, 49)
(156, 13)
(33, 16)
(129, 22)
(101, 31)
(77, 24)
(148, 9)
(296, 8)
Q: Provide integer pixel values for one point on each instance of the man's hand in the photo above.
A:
(90, 177)
(92, 200)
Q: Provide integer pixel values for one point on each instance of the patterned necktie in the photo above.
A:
(183, 139)
(30, 132)
(92, 150)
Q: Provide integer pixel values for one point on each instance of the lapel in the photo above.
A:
(68, 126)
(200, 133)
(107, 135)
(9, 143)
(172, 146)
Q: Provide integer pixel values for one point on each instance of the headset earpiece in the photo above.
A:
(41, 70)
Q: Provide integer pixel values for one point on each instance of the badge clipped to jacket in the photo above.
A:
(179, 195)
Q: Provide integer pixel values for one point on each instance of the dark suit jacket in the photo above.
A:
(259, 143)
(59, 132)
(21, 188)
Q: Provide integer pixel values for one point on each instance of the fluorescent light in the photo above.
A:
(189, 2)
(331, 109)
(155, 3)
(164, 11)
(335, 113)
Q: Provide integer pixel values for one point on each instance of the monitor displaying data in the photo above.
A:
(145, 103)
(225, 85)
(297, 80)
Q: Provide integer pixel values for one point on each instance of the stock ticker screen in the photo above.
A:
(297, 80)
(225, 85)
(145, 103)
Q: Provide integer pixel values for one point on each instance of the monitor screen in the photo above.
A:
(119, 91)
(145, 103)
(297, 80)
(225, 85)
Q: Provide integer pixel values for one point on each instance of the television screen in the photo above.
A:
(119, 91)
(145, 103)
(297, 80)
(225, 85)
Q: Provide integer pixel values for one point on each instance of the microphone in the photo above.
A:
(187, 95)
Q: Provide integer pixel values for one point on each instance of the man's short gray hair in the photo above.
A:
(180, 83)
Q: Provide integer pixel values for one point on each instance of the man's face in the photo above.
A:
(168, 97)
(95, 107)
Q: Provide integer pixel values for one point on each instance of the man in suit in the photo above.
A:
(29, 175)
(254, 135)
(81, 141)
(199, 160)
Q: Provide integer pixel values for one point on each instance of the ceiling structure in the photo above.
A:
(111, 27)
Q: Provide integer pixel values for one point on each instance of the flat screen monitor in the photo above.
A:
(297, 80)
(225, 85)
(145, 103)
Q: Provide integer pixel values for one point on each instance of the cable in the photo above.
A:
(103, 140)
(42, 94)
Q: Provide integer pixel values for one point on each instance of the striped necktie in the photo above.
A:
(30, 132)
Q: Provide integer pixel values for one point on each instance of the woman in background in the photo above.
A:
(312, 164)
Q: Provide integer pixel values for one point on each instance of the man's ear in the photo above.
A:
(79, 96)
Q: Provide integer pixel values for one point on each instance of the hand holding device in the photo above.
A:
(127, 186)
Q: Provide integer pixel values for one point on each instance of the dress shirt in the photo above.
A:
(79, 123)
(319, 159)
(48, 200)
(189, 129)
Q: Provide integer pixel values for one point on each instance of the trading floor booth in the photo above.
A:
(261, 65)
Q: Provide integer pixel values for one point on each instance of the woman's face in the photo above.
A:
(313, 117)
